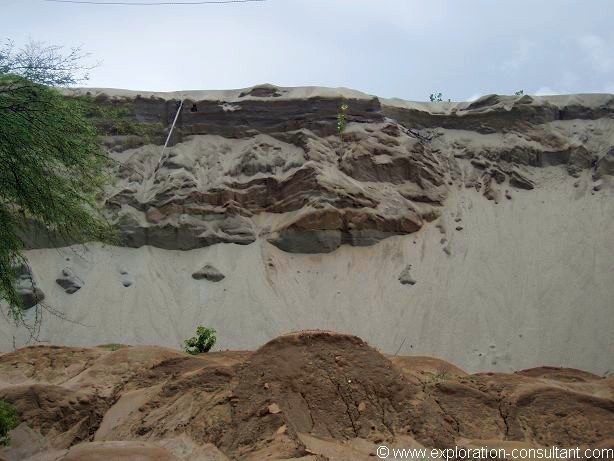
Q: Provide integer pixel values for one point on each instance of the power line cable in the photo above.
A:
(208, 2)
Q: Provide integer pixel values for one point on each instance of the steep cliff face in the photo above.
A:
(479, 224)
(267, 162)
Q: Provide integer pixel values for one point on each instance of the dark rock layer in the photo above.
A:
(262, 163)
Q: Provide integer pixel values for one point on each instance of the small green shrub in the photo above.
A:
(111, 347)
(203, 341)
(519, 93)
(8, 421)
(436, 97)
(441, 374)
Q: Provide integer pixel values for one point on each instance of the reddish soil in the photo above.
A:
(311, 395)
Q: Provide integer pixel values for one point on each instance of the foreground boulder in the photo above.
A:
(312, 393)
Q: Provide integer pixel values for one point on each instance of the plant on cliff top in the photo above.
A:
(8, 421)
(203, 341)
(51, 163)
(436, 97)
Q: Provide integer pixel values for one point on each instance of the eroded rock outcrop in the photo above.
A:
(311, 393)
(208, 272)
(405, 277)
(70, 282)
(267, 163)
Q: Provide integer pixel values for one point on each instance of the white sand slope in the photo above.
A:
(281, 93)
(528, 282)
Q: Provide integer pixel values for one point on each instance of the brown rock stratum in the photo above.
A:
(311, 395)
(267, 162)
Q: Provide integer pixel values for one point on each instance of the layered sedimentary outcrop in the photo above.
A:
(267, 162)
(479, 232)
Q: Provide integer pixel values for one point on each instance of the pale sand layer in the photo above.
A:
(589, 100)
(284, 93)
(529, 282)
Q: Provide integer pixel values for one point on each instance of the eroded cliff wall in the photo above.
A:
(480, 232)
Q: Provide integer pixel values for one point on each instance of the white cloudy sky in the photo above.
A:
(402, 48)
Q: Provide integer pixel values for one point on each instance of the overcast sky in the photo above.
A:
(391, 48)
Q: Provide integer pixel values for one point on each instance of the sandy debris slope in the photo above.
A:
(525, 283)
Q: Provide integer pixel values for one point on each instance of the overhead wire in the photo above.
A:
(207, 2)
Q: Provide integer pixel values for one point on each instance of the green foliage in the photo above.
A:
(116, 118)
(436, 97)
(111, 347)
(44, 64)
(341, 119)
(441, 374)
(519, 93)
(203, 341)
(51, 166)
(8, 421)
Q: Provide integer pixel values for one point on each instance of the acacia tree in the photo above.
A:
(51, 163)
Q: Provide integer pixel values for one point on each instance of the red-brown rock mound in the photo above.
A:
(312, 395)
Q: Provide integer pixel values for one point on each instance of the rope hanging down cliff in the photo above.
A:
(162, 159)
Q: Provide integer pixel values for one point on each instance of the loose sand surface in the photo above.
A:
(527, 282)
